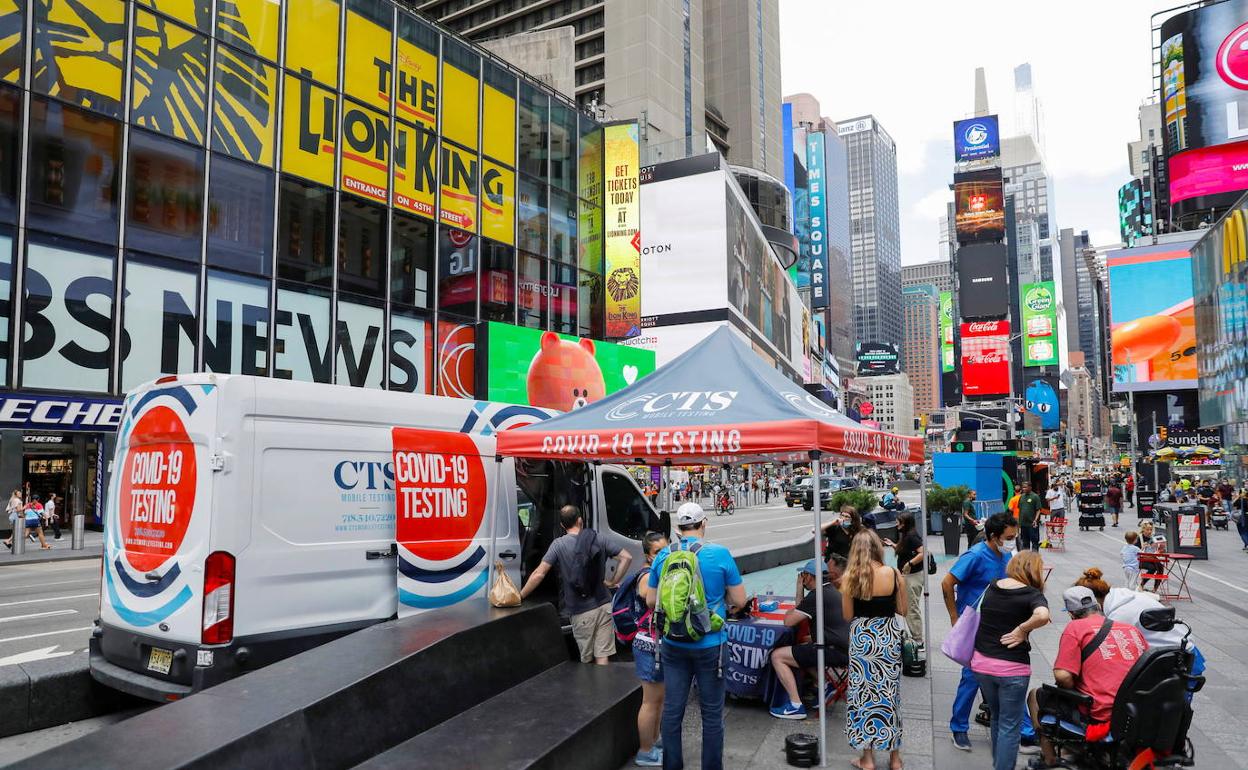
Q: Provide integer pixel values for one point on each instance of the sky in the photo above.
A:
(912, 64)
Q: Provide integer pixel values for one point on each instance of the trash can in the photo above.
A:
(951, 528)
(1185, 528)
(884, 523)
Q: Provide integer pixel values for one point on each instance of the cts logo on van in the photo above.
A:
(364, 475)
(157, 489)
(686, 403)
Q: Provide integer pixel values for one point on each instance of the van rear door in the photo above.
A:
(158, 524)
(454, 516)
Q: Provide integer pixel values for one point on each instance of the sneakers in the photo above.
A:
(1028, 746)
(1038, 763)
(961, 741)
(651, 758)
(789, 711)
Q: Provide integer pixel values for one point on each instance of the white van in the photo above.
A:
(250, 518)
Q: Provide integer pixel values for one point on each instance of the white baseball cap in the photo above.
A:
(689, 513)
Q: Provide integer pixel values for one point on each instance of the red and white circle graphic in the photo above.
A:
(1232, 61)
(157, 489)
(440, 492)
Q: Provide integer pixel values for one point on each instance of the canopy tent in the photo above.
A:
(717, 403)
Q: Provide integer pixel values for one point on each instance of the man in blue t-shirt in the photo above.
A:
(684, 661)
(967, 580)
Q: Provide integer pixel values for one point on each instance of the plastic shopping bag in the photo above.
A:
(503, 593)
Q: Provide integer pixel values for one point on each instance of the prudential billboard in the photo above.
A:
(976, 139)
(816, 182)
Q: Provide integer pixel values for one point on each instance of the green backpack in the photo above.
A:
(681, 613)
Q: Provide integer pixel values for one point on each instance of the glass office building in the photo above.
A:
(305, 189)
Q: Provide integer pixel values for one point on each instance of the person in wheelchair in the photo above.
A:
(1094, 656)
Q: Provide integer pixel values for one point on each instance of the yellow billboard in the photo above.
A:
(82, 67)
(365, 152)
(415, 157)
(623, 221)
(366, 70)
(498, 202)
(250, 25)
(312, 39)
(459, 188)
(498, 132)
(308, 130)
(459, 106)
(245, 107)
(168, 92)
(416, 95)
(11, 26)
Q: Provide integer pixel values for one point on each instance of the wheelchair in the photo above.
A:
(1151, 715)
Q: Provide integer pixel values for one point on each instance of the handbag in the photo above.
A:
(503, 592)
(931, 564)
(959, 645)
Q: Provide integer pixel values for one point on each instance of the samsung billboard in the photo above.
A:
(1204, 81)
(982, 289)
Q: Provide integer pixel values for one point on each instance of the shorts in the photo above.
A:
(806, 656)
(644, 661)
(32, 524)
(594, 632)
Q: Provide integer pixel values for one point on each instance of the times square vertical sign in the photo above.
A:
(817, 247)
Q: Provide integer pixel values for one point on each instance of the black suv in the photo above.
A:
(831, 485)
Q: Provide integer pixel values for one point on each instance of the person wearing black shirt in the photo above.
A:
(910, 560)
(804, 656)
(970, 523)
(1011, 609)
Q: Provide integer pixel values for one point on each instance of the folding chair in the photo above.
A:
(1055, 529)
(836, 685)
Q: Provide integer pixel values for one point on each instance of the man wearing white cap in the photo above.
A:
(683, 661)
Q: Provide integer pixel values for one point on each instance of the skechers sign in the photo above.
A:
(976, 139)
(26, 411)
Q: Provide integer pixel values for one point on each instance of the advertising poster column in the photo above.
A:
(946, 331)
(623, 219)
(1039, 309)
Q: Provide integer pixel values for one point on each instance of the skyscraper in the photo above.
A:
(920, 349)
(875, 240)
(695, 73)
(937, 273)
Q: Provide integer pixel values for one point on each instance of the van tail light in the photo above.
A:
(218, 599)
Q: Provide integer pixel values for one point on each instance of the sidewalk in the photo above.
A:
(93, 547)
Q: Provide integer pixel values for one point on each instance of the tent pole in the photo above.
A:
(816, 494)
(667, 485)
(923, 523)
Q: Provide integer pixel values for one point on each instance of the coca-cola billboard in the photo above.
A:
(986, 359)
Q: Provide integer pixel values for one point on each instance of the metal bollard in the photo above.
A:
(19, 534)
(78, 537)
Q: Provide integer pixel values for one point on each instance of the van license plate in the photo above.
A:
(159, 660)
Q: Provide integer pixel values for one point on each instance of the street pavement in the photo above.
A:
(1218, 615)
(47, 606)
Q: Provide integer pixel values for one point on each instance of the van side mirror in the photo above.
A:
(1159, 619)
(665, 524)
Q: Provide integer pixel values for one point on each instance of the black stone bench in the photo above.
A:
(339, 704)
(573, 715)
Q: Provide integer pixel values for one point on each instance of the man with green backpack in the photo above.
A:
(693, 583)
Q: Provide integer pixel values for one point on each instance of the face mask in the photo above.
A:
(1008, 546)
(846, 524)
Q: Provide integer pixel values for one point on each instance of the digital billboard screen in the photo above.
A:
(979, 206)
(1220, 283)
(976, 139)
(1204, 83)
(556, 371)
(1131, 212)
(876, 358)
(1152, 318)
(946, 331)
(1038, 304)
(985, 359)
(982, 281)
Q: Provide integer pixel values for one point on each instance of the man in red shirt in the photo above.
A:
(1094, 656)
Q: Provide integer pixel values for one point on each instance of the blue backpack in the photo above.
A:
(628, 609)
